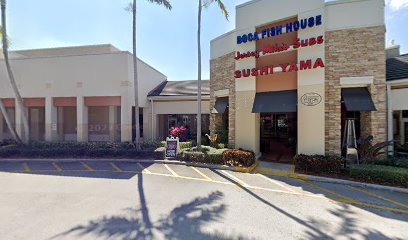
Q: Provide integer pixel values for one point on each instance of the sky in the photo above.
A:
(166, 39)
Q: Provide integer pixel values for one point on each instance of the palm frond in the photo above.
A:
(165, 3)
(129, 7)
(221, 5)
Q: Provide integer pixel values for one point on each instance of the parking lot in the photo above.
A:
(174, 184)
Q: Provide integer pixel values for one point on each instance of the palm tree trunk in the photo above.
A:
(199, 77)
(8, 122)
(135, 78)
(19, 100)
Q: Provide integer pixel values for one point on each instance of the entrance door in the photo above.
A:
(278, 136)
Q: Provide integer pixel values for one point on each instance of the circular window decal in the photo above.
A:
(311, 99)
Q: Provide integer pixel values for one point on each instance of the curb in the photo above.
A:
(358, 184)
(285, 173)
(175, 162)
(252, 169)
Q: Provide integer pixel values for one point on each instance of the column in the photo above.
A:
(247, 124)
(126, 119)
(147, 125)
(390, 120)
(82, 120)
(1, 126)
(60, 120)
(112, 123)
(51, 120)
(152, 122)
(401, 128)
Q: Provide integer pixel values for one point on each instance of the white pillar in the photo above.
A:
(1, 126)
(153, 120)
(60, 120)
(112, 123)
(390, 120)
(126, 119)
(51, 121)
(402, 128)
(82, 120)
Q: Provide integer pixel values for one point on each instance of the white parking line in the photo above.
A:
(171, 170)
(275, 182)
(236, 179)
(201, 173)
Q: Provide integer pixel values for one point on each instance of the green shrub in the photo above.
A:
(220, 145)
(74, 149)
(150, 144)
(160, 152)
(393, 162)
(319, 163)
(215, 156)
(163, 144)
(222, 135)
(378, 173)
(7, 142)
(184, 145)
(238, 157)
(192, 156)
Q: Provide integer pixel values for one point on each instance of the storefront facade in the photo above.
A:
(293, 71)
(80, 93)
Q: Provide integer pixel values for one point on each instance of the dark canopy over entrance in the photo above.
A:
(275, 102)
(357, 100)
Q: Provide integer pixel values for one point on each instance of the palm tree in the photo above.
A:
(132, 8)
(19, 100)
(5, 113)
(225, 12)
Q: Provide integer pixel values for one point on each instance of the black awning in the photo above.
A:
(282, 101)
(221, 104)
(357, 99)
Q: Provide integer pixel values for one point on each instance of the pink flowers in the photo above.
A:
(178, 132)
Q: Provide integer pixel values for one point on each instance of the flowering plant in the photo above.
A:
(178, 132)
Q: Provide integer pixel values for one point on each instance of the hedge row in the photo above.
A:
(74, 150)
(393, 162)
(212, 155)
(319, 164)
(182, 145)
(378, 173)
(237, 157)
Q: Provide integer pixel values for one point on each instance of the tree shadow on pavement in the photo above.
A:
(348, 192)
(315, 227)
(184, 222)
(348, 226)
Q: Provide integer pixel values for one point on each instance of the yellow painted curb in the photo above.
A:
(247, 169)
(282, 173)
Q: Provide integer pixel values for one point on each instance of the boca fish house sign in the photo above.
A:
(276, 48)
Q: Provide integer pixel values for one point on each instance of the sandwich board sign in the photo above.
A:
(172, 147)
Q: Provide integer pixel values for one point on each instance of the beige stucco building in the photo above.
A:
(286, 80)
(86, 94)
(292, 72)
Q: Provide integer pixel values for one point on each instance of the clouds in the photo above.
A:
(396, 5)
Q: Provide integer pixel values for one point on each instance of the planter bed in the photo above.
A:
(76, 150)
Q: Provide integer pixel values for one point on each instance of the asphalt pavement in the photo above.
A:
(127, 200)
